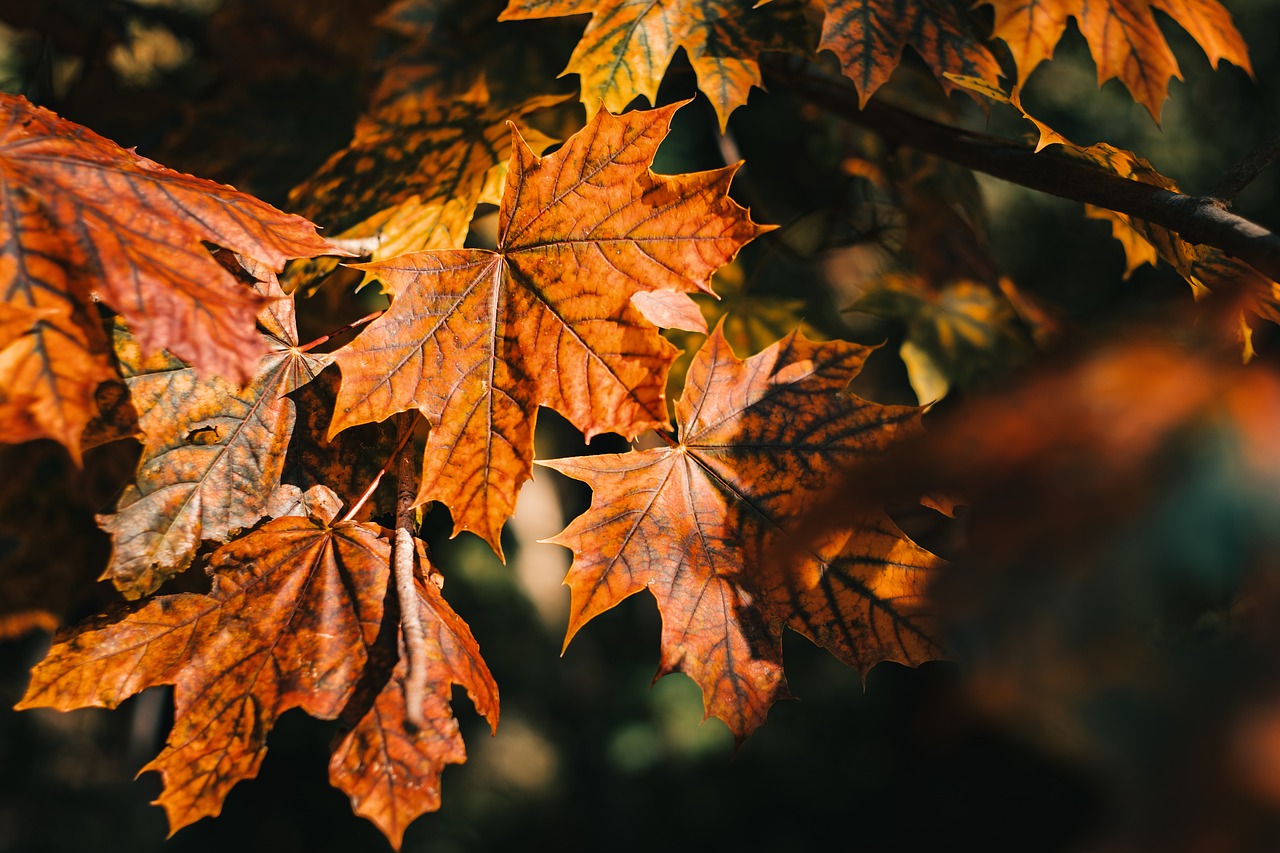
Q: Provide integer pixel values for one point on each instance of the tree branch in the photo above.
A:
(1243, 173)
(412, 632)
(1196, 219)
(406, 592)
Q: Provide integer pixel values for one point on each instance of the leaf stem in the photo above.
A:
(368, 318)
(355, 508)
(415, 637)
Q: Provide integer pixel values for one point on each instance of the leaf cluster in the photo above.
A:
(1066, 502)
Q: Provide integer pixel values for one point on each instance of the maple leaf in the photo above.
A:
(293, 608)
(627, 46)
(476, 340)
(294, 620)
(84, 218)
(700, 524)
(868, 36)
(390, 772)
(1123, 37)
(212, 452)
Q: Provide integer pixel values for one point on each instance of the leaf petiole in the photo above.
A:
(355, 508)
(354, 324)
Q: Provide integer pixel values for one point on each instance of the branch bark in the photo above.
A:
(412, 632)
(1196, 219)
(1243, 173)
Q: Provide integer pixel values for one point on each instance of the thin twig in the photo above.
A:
(1197, 220)
(1243, 173)
(358, 247)
(355, 508)
(367, 318)
(412, 631)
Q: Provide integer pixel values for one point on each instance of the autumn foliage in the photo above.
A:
(516, 248)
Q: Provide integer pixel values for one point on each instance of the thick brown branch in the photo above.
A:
(1243, 173)
(414, 635)
(1195, 219)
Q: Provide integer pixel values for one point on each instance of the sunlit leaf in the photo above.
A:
(627, 46)
(1123, 37)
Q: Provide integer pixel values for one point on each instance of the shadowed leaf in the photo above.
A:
(868, 36)
(391, 771)
(963, 333)
(349, 461)
(441, 60)
(212, 453)
(414, 172)
(293, 608)
(700, 524)
(51, 551)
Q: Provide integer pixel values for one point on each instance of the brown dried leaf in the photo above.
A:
(212, 455)
(293, 610)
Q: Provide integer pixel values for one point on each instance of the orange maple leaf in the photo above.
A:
(294, 620)
(1123, 37)
(626, 47)
(869, 36)
(86, 219)
(293, 609)
(701, 525)
(477, 340)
